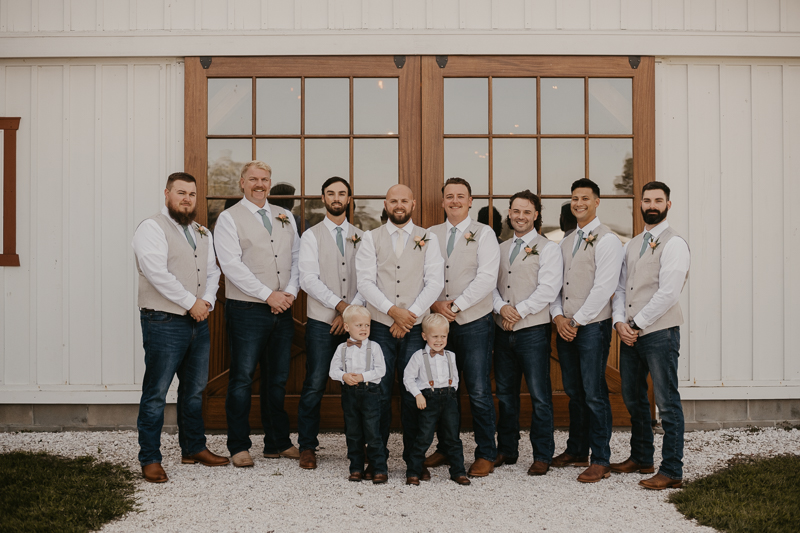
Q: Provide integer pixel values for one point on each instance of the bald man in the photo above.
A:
(400, 274)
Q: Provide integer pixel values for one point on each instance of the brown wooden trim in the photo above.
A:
(195, 160)
(644, 141)
(432, 140)
(9, 125)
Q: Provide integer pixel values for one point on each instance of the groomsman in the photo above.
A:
(647, 317)
(471, 259)
(400, 274)
(529, 281)
(582, 314)
(328, 275)
(258, 247)
(178, 282)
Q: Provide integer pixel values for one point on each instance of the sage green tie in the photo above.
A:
(515, 251)
(265, 220)
(189, 237)
(339, 241)
(577, 243)
(645, 242)
(451, 242)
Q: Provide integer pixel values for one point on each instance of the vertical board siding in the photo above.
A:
(732, 15)
(791, 229)
(670, 15)
(51, 15)
(767, 15)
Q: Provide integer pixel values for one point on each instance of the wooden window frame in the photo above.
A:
(9, 125)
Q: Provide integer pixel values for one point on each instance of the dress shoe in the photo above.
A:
(481, 468)
(566, 459)
(205, 458)
(154, 473)
(412, 481)
(661, 482)
(308, 459)
(595, 473)
(504, 460)
(242, 459)
(290, 453)
(369, 472)
(426, 474)
(379, 479)
(436, 459)
(538, 468)
(629, 466)
(355, 476)
(462, 480)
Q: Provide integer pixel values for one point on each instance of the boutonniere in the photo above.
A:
(283, 219)
(419, 242)
(470, 236)
(355, 239)
(654, 244)
(201, 230)
(589, 240)
(530, 251)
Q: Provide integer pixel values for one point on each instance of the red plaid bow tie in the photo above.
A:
(353, 343)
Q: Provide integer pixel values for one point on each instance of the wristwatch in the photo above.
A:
(632, 324)
(454, 308)
(573, 324)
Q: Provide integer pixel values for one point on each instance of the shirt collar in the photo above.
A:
(253, 208)
(332, 227)
(659, 229)
(528, 237)
(588, 228)
(461, 226)
(391, 228)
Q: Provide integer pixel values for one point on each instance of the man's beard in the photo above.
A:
(653, 216)
(336, 211)
(184, 219)
(399, 220)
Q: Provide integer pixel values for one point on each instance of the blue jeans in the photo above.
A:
(258, 337)
(397, 352)
(320, 347)
(173, 344)
(362, 422)
(472, 344)
(517, 353)
(441, 415)
(656, 353)
(583, 373)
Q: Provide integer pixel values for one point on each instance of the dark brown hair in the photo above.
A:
(180, 176)
(457, 181)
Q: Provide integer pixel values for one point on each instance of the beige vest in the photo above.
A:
(642, 281)
(336, 272)
(187, 265)
(460, 270)
(579, 274)
(517, 282)
(267, 256)
(399, 279)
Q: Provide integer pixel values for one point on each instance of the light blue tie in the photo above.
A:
(515, 251)
(645, 242)
(189, 237)
(339, 241)
(452, 242)
(265, 220)
(577, 243)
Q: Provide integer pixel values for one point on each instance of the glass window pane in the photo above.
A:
(325, 158)
(513, 105)
(562, 105)
(514, 165)
(374, 165)
(617, 214)
(468, 159)
(480, 212)
(283, 156)
(375, 106)
(278, 106)
(226, 157)
(215, 207)
(610, 106)
(327, 106)
(230, 106)
(563, 161)
(611, 165)
(315, 211)
(466, 105)
(551, 218)
(367, 213)
(290, 204)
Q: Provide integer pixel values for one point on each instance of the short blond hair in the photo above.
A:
(435, 320)
(258, 164)
(354, 311)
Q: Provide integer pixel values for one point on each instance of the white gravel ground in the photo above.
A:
(277, 495)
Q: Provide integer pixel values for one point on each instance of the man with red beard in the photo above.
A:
(400, 275)
(178, 282)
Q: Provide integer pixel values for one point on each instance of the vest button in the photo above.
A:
(567, 298)
(198, 270)
(342, 264)
(631, 288)
(279, 272)
(629, 305)
(447, 281)
(198, 284)
(398, 281)
(568, 283)
(276, 256)
(398, 267)
(344, 280)
(271, 240)
(448, 266)
(398, 296)
(509, 272)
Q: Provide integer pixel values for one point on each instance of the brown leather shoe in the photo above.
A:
(436, 459)
(426, 474)
(205, 458)
(595, 473)
(504, 460)
(566, 459)
(290, 453)
(242, 459)
(462, 480)
(661, 482)
(379, 479)
(481, 468)
(412, 481)
(154, 473)
(538, 468)
(308, 459)
(369, 472)
(629, 466)
(355, 476)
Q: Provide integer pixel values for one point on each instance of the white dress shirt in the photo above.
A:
(675, 262)
(308, 265)
(229, 252)
(415, 376)
(367, 268)
(608, 262)
(150, 246)
(551, 276)
(356, 359)
(488, 263)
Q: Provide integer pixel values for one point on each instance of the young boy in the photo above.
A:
(358, 364)
(432, 378)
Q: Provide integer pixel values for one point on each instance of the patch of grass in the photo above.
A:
(750, 495)
(42, 492)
